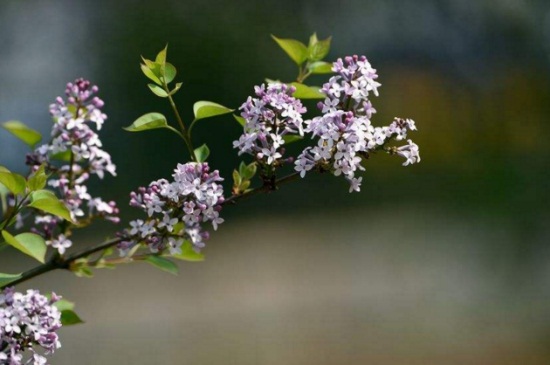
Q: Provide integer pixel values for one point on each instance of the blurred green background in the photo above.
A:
(445, 262)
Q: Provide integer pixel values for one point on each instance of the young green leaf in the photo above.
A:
(161, 56)
(29, 243)
(62, 156)
(202, 153)
(169, 72)
(320, 67)
(188, 254)
(312, 40)
(244, 185)
(37, 180)
(237, 179)
(148, 121)
(68, 315)
(318, 50)
(81, 268)
(163, 264)
(296, 50)
(290, 138)
(242, 168)
(69, 318)
(176, 88)
(307, 92)
(63, 305)
(147, 71)
(24, 133)
(247, 171)
(240, 120)
(207, 109)
(46, 201)
(5, 279)
(14, 182)
(157, 90)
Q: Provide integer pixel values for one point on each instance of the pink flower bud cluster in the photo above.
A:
(73, 155)
(344, 132)
(176, 210)
(271, 116)
(28, 325)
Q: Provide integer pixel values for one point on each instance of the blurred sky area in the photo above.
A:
(444, 262)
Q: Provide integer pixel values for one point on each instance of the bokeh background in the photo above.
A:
(445, 262)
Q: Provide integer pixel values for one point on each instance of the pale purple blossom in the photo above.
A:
(28, 325)
(61, 243)
(72, 133)
(176, 210)
(273, 114)
(344, 132)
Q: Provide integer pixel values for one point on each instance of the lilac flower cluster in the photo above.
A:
(28, 323)
(74, 142)
(344, 131)
(176, 210)
(269, 117)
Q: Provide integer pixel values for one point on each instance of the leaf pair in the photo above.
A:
(242, 177)
(32, 244)
(201, 109)
(161, 73)
(313, 53)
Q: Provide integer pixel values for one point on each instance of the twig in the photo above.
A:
(58, 262)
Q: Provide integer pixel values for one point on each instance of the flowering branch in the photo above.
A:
(177, 210)
(58, 262)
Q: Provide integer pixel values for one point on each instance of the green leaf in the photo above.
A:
(148, 121)
(62, 156)
(5, 279)
(307, 92)
(46, 201)
(207, 109)
(202, 153)
(247, 171)
(148, 63)
(296, 50)
(179, 228)
(63, 305)
(38, 180)
(43, 194)
(147, 71)
(237, 178)
(290, 138)
(83, 272)
(240, 120)
(161, 56)
(163, 264)
(319, 49)
(24, 133)
(3, 190)
(14, 182)
(313, 40)
(69, 318)
(169, 72)
(188, 254)
(157, 90)
(244, 185)
(320, 67)
(176, 88)
(29, 243)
